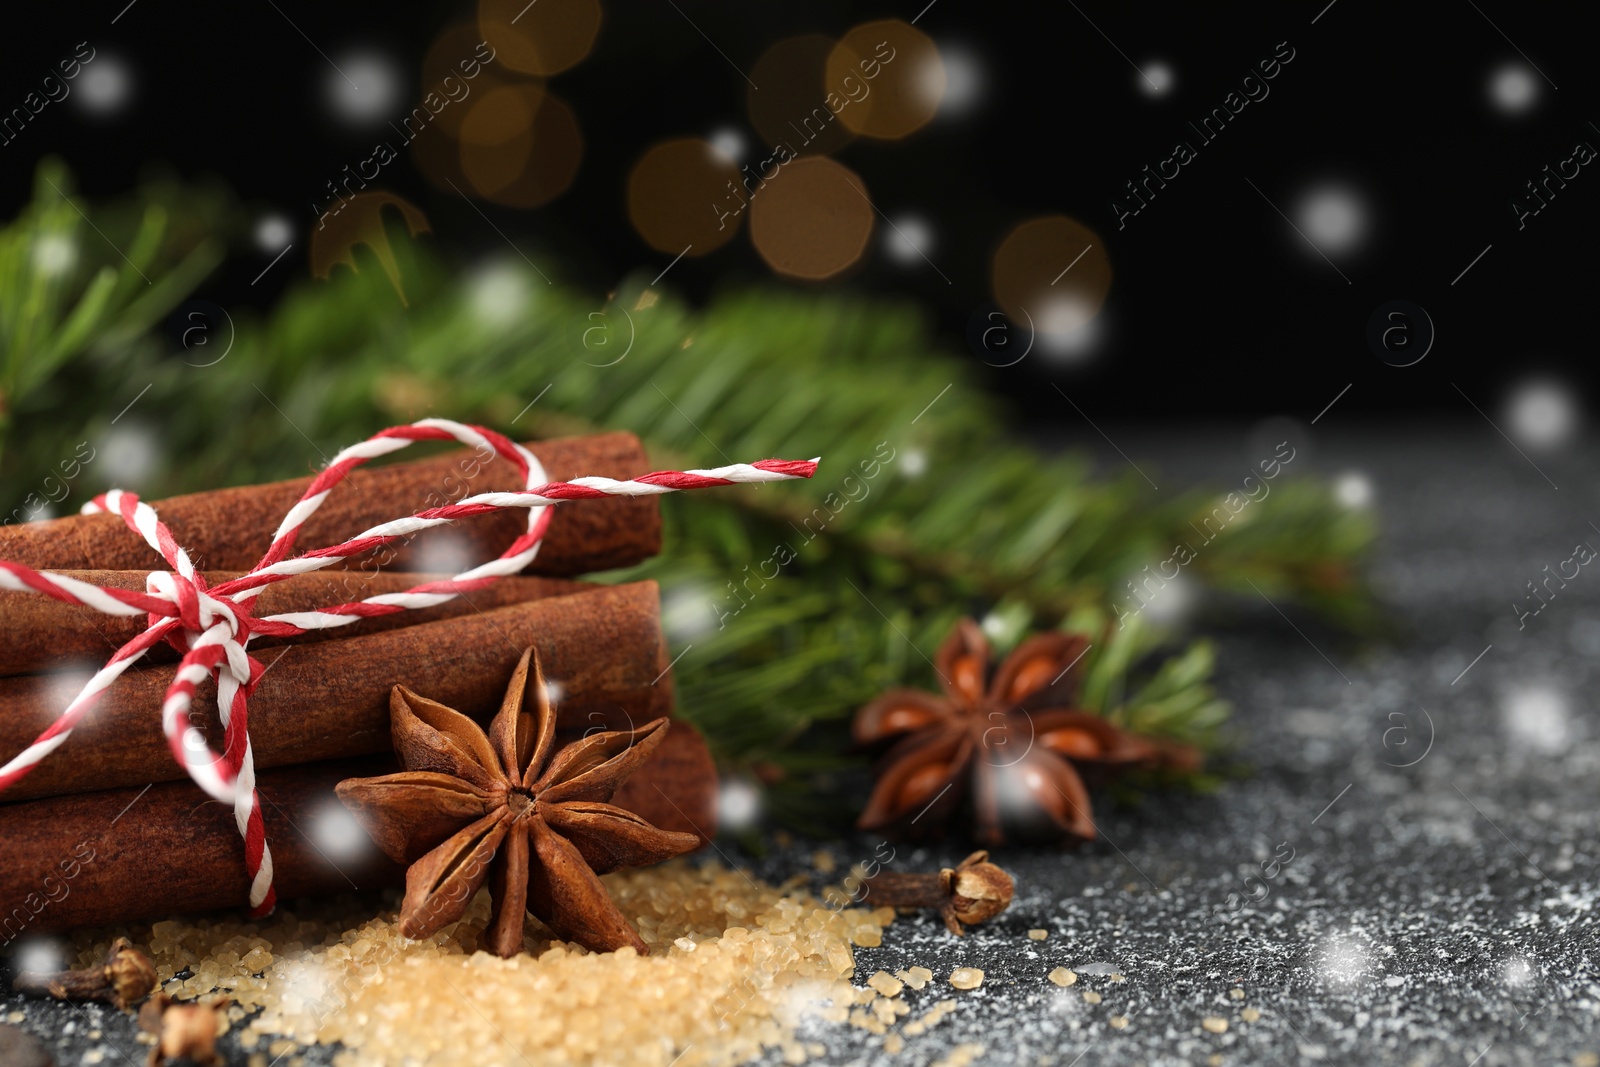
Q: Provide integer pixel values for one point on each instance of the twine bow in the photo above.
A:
(212, 626)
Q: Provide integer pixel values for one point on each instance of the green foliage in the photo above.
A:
(70, 286)
(791, 604)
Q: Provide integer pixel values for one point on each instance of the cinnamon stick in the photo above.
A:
(124, 855)
(230, 529)
(327, 700)
(41, 633)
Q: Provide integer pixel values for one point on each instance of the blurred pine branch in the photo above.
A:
(70, 285)
(791, 604)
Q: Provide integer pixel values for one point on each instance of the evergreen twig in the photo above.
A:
(925, 507)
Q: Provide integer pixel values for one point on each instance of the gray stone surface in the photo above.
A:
(1439, 906)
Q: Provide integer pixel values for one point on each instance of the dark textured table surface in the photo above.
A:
(1438, 793)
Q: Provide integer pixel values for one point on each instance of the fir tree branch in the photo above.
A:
(925, 509)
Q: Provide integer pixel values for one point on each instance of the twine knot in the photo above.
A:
(197, 611)
(212, 626)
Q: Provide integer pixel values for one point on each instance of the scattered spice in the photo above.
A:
(1063, 977)
(941, 747)
(184, 1030)
(966, 978)
(122, 979)
(971, 892)
(1118, 1022)
(1250, 1015)
(1038, 935)
(1215, 1024)
(1091, 997)
(1236, 993)
(18, 1048)
(506, 807)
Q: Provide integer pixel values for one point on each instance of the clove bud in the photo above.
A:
(184, 1030)
(126, 977)
(973, 891)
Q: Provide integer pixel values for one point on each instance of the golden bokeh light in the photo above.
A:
(684, 194)
(555, 150)
(437, 155)
(811, 219)
(455, 72)
(1052, 272)
(545, 38)
(497, 136)
(518, 145)
(887, 77)
(791, 107)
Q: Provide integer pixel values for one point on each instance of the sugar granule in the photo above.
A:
(763, 964)
(966, 978)
(885, 984)
(961, 1055)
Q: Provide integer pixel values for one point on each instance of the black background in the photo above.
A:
(1218, 309)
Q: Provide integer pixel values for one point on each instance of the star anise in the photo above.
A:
(1013, 745)
(508, 808)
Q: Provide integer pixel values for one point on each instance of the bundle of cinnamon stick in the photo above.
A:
(109, 829)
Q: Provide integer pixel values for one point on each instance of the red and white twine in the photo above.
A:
(212, 626)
